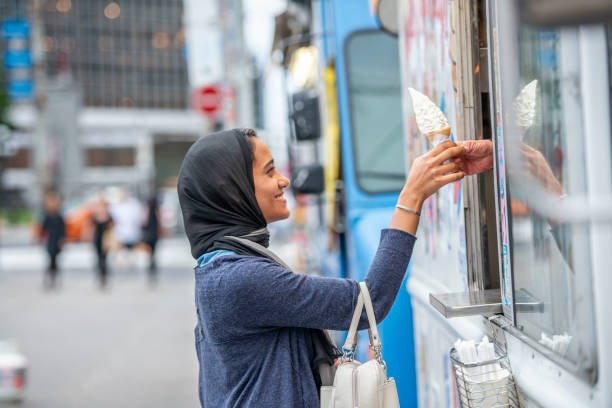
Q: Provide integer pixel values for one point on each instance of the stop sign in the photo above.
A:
(207, 100)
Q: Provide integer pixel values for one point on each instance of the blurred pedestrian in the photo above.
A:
(150, 235)
(53, 233)
(127, 217)
(102, 236)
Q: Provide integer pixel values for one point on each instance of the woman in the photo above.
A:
(258, 335)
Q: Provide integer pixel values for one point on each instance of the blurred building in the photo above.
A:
(122, 56)
(111, 105)
(9, 153)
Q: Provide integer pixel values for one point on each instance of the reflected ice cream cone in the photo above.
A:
(525, 107)
(430, 119)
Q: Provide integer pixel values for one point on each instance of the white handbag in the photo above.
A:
(361, 385)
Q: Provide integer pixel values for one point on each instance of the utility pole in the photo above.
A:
(239, 67)
(39, 140)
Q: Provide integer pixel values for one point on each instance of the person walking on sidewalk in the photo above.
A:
(150, 235)
(260, 326)
(127, 215)
(53, 233)
(102, 229)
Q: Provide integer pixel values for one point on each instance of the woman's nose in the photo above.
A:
(283, 182)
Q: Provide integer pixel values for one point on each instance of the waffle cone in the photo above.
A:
(444, 131)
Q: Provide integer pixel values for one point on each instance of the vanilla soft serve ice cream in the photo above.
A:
(525, 106)
(430, 119)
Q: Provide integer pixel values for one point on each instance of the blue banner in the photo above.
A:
(21, 89)
(17, 59)
(15, 28)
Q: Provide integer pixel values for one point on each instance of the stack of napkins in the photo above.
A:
(487, 384)
(469, 353)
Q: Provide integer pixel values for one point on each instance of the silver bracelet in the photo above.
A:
(410, 210)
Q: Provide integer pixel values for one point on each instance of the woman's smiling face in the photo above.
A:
(269, 183)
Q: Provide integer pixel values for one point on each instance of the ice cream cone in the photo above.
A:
(438, 136)
(444, 131)
(430, 119)
(525, 107)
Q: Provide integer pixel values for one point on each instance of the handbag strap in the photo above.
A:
(374, 338)
(259, 249)
(351, 339)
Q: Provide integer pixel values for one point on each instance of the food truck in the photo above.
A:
(517, 253)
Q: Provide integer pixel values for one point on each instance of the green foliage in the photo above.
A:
(4, 99)
(16, 216)
(4, 104)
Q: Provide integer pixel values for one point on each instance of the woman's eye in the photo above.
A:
(270, 170)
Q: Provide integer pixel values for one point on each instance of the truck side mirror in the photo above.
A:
(308, 179)
(387, 15)
(306, 115)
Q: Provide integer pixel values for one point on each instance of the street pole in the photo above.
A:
(39, 140)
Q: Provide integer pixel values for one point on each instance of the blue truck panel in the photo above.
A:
(366, 214)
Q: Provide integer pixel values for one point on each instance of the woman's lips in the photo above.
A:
(280, 197)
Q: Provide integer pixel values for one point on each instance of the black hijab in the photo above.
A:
(217, 194)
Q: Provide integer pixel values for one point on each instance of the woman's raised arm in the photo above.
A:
(275, 296)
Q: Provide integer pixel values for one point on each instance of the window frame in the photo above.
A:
(501, 76)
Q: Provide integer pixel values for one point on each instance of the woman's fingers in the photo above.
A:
(427, 173)
(449, 178)
(441, 147)
(449, 153)
(447, 168)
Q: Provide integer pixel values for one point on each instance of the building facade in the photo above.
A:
(111, 106)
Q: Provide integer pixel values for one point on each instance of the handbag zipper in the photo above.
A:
(355, 390)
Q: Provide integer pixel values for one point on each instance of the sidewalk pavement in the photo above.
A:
(18, 253)
(172, 253)
(15, 235)
(129, 345)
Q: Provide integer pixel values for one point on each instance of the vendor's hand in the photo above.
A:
(429, 173)
(477, 158)
(537, 166)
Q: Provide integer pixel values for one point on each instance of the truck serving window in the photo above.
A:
(374, 94)
(545, 155)
(551, 258)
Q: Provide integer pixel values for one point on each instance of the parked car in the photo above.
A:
(13, 367)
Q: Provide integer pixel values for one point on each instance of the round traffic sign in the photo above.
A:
(207, 100)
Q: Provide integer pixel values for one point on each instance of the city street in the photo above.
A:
(455, 155)
(128, 346)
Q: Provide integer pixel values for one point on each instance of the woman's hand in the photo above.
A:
(477, 158)
(429, 173)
